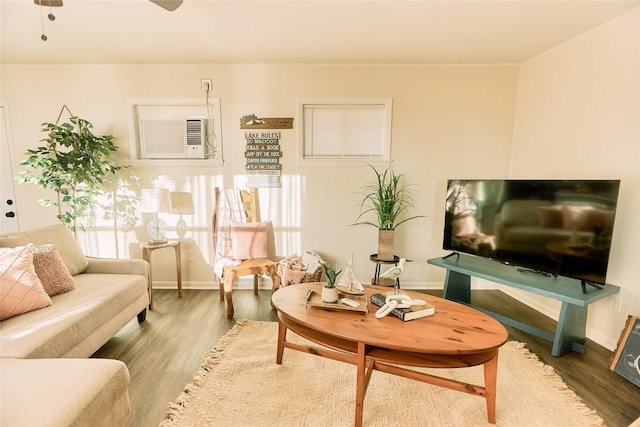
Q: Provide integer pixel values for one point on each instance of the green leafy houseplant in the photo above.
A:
(330, 292)
(75, 164)
(387, 198)
(331, 273)
(390, 201)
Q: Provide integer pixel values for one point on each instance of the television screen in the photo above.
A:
(559, 227)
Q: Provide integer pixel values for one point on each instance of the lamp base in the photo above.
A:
(181, 227)
(157, 230)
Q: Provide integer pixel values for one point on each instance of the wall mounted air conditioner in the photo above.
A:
(173, 138)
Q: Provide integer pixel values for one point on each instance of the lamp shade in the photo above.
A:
(181, 203)
(154, 200)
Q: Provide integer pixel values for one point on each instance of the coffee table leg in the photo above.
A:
(282, 335)
(490, 384)
(360, 383)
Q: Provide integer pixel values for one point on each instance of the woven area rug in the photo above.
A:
(240, 384)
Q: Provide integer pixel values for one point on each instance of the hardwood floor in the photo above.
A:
(164, 352)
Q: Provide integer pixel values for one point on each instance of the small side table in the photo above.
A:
(379, 262)
(147, 249)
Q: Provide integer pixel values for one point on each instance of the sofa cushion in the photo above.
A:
(522, 212)
(21, 290)
(79, 322)
(586, 218)
(51, 270)
(59, 235)
(550, 216)
(63, 392)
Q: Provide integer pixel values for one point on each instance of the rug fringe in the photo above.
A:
(555, 381)
(182, 402)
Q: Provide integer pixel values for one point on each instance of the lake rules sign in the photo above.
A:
(262, 154)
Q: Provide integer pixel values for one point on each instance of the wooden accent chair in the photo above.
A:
(238, 206)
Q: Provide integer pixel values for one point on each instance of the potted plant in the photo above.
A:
(389, 200)
(329, 291)
(74, 163)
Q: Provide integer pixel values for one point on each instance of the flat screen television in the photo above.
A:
(551, 227)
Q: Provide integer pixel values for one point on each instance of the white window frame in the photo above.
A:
(175, 107)
(384, 152)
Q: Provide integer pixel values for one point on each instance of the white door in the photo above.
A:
(9, 221)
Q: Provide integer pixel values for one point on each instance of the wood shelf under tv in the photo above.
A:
(570, 332)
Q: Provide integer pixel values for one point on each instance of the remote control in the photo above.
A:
(350, 302)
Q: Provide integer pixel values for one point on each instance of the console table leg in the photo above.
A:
(457, 287)
(571, 331)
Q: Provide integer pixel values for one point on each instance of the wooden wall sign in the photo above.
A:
(262, 154)
(252, 122)
(626, 359)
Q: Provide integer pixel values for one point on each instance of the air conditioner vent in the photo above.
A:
(194, 131)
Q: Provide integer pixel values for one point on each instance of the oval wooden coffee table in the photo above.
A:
(456, 336)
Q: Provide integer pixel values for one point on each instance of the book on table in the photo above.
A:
(409, 313)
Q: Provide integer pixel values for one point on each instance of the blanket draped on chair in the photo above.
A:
(230, 209)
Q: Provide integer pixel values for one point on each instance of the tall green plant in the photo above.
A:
(74, 163)
(387, 198)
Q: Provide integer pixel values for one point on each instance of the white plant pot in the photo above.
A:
(330, 294)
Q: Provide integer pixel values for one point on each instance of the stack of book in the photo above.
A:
(410, 313)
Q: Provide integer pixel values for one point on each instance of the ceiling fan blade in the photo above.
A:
(169, 5)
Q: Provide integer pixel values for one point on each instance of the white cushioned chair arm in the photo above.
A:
(117, 266)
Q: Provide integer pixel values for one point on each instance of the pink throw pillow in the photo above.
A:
(20, 288)
(249, 240)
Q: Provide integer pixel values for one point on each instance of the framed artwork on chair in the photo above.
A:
(626, 358)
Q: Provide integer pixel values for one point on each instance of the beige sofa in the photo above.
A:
(46, 376)
(528, 226)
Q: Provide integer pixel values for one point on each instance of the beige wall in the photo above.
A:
(447, 122)
(578, 116)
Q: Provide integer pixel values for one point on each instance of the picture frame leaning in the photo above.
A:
(626, 358)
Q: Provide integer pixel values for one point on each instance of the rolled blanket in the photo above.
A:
(291, 270)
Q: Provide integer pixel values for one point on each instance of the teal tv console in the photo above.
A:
(570, 332)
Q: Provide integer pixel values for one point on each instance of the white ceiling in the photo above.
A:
(300, 31)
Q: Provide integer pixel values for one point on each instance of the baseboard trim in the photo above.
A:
(247, 283)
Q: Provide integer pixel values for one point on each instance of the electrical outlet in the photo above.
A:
(206, 85)
(191, 255)
(615, 304)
